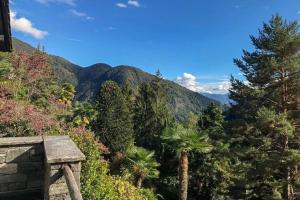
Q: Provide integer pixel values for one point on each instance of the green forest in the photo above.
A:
(137, 149)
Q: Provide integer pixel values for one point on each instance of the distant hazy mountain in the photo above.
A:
(223, 98)
(88, 80)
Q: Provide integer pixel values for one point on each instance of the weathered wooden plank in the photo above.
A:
(72, 185)
(5, 28)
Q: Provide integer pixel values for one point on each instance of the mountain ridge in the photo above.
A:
(87, 81)
(222, 98)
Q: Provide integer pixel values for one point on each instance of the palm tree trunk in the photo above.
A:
(183, 175)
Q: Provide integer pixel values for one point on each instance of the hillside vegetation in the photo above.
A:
(137, 150)
(33, 103)
(87, 81)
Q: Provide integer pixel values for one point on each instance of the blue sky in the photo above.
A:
(190, 41)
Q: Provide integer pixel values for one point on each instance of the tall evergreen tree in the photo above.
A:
(273, 76)
(211, 172)
(113, 123)
(151, 115)
(129, 97)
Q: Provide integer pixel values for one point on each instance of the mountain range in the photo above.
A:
(223, 98)
(87, 81)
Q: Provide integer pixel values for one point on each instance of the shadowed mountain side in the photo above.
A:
(88, 80)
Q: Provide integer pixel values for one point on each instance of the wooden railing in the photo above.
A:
(74, 190)
(63, 166)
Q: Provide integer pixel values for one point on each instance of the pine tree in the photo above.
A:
(211, 172)
(129, 96)
(151, 115)
(113, 124)
(273, 77)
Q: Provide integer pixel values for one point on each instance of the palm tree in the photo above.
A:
(83, 113)
(184, 140)
(67, 94)
(142, 163)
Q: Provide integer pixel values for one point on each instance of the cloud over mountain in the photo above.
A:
(191, 82)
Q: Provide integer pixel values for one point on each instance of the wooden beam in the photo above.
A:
(71, 182)
(5, 22)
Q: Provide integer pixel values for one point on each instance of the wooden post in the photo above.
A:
(71, 182)
(5, 30)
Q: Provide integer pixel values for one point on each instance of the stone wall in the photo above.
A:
(21, 166)
(35, 165)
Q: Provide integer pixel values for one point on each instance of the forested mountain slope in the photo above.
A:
(87, 81)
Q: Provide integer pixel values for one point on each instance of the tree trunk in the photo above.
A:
(183, 175)
(140, 181)
(284, 100)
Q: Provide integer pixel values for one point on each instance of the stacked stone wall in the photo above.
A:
(36, 165)
(21, 168)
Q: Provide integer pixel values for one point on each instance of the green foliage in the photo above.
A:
(261, 132)
(183, 139)
(17, 128)
(87, 81)
(83, 113)
(266, 151)
(211, 117)
(5, 73)
(151, 115)
(192, 121)
(252, 156)
(5, 66)
(95, 181)
(128, 93)
(212, 169)
(30, 106)
(113, 123)
(148, 194)
(67, 94)
(140, 164)
(94, 170)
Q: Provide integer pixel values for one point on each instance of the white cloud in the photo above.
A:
(111, 28)
(80, 14)
(191, 82)
(74, 39)
(121, 5)
(25, 26)
(134, 3)
(68, 2)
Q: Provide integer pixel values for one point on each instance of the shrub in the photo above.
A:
(17, 128)
(96, 182)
